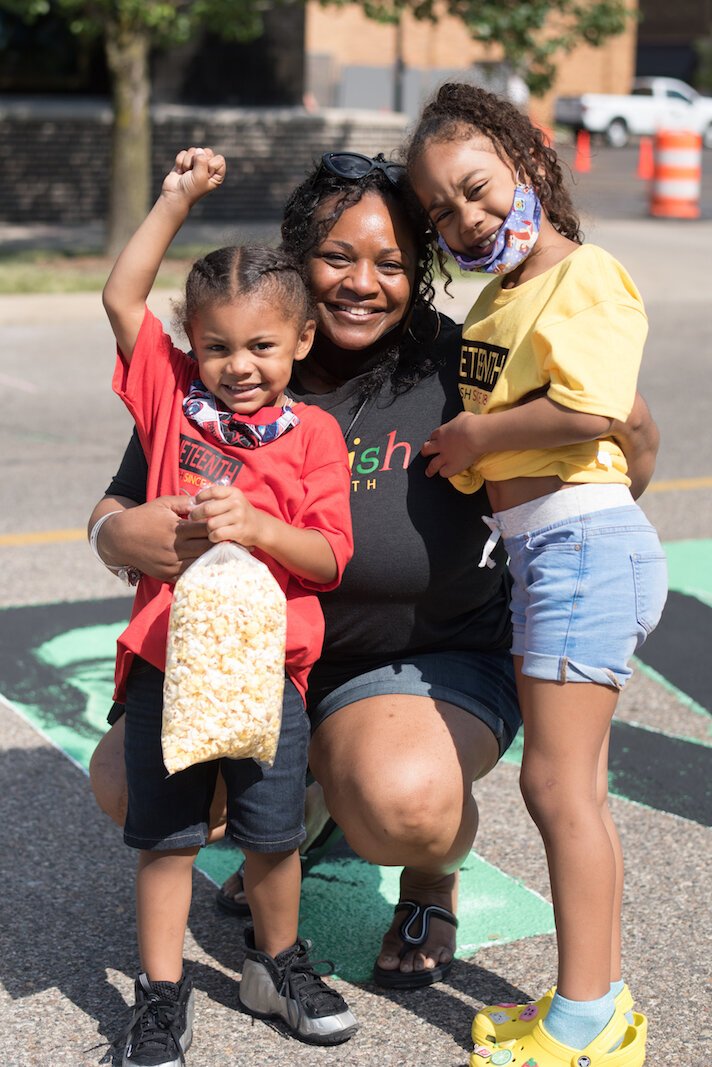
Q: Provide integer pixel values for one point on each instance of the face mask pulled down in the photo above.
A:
(515, 238)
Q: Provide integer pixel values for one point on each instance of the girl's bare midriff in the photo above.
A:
(514, 491)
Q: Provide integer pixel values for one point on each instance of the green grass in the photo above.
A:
(85, 270)
(80, 270)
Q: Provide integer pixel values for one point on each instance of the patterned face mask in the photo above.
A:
(200, 407)
(515, 238)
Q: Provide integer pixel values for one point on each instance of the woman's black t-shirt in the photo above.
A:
(414, 584)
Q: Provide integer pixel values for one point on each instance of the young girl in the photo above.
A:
(562, 326)
(227, 417)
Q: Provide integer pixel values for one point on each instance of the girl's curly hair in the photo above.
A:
(460, 109)
(406, 360)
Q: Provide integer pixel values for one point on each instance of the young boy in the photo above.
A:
(246, 315)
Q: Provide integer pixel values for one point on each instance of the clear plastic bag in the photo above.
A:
(224, 682)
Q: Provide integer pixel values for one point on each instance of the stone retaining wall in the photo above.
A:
(54, 154)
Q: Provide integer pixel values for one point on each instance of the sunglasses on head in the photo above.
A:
(353, 166)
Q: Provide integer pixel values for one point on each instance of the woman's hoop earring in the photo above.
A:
(437, 331)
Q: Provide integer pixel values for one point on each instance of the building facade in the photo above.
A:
(352, 61)
(668, 37)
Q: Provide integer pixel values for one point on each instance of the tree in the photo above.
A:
(530, 33)
(129, 30)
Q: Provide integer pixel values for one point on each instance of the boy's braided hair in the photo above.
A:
(243, 270)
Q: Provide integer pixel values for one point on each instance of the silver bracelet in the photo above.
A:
(127, 574)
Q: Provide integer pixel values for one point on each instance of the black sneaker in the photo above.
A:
(290, 988)
(161, 1027)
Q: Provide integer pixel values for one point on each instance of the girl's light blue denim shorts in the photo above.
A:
(590, 583)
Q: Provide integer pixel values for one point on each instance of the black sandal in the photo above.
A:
(228, 903)
(324, 841)
(417, 913)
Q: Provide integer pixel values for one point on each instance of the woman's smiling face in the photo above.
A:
(361, 274)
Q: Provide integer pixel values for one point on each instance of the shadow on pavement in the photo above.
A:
(67, 920)
(66, 909)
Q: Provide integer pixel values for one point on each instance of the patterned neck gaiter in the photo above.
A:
(200, 407)
(516, 237)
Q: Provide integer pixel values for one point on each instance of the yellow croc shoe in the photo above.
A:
(618, 1045)
(509, 1022)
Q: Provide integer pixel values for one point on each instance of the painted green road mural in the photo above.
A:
(56, 668)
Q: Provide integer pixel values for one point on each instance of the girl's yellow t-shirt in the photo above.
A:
(578, 328)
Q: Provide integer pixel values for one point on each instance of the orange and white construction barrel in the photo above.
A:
(677, 175)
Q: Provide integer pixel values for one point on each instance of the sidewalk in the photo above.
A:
(639, 243)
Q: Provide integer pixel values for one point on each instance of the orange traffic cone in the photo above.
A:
(582, 162)
(675, 192)
(646, 162)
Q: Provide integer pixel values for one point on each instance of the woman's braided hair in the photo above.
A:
(409, 358)
(244, 270)
(459, 110)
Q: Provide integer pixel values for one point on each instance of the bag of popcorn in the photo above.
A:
(222, 694)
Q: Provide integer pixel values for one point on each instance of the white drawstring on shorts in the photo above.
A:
(490, 543)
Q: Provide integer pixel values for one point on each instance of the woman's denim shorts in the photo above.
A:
(481, 683)
(588, 589)
(265, 805)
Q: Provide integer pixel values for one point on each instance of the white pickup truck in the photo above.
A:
(654, 104)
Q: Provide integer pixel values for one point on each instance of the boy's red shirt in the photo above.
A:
(302, 478)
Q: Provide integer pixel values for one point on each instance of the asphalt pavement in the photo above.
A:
(67, 951)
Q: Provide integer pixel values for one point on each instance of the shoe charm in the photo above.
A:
(483, 1051)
